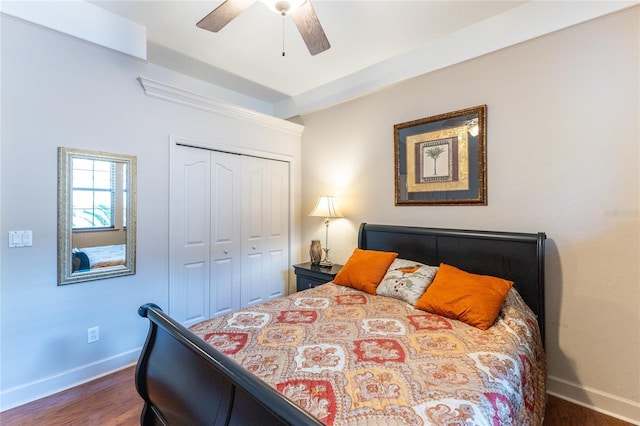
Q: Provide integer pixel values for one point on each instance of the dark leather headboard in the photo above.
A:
(518, 257)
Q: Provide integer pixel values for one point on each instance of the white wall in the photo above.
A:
(563, 158)
(59, 91)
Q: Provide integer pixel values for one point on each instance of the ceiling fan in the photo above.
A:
(301, 11)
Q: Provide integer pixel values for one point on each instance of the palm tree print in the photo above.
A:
(434, 153)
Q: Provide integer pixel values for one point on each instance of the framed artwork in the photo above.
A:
(442, 160)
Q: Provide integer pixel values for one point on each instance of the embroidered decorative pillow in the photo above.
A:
(365, 269)
(406, 280)
(471, 298)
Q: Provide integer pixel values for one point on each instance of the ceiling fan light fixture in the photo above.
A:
(284, 6)
(302, 14)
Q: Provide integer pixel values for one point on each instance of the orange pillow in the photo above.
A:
(474, 299)
(365, 269)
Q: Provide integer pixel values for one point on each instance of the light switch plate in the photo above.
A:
(20, 238)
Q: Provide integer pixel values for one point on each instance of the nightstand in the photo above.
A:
(309, 276)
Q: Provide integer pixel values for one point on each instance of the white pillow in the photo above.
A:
(406, 280)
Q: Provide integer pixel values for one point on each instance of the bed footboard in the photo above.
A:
(184, 381)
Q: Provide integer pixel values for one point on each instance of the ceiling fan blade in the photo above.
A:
(310, 29)
(224, 14)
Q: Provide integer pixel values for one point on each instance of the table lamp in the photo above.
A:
(326, 207)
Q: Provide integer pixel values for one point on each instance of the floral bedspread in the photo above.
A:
(350, 358)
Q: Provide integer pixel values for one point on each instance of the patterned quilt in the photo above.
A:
(351, 358)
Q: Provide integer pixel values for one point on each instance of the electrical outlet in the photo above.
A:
(93, 334)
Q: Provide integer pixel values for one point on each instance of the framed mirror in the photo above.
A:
(96, 215)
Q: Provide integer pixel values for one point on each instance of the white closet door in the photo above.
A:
(229, 238)
(265, 225)
(277, 219)
(254, 173)
(225, 232)
(190, 199)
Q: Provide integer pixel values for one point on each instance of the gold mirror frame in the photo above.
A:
(68, 257)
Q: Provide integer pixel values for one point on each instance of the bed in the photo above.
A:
(378, 360)
(99, 257)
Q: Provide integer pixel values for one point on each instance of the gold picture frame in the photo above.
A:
(442, 160)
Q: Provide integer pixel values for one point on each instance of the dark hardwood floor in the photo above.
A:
(564, 413)
(113, 401)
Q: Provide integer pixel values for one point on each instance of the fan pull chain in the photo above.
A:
(283, 34)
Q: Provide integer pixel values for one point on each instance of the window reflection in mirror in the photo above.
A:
(96, 215)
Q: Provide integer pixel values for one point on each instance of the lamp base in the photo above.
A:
(326, 261)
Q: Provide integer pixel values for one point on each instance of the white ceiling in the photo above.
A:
(373, 43)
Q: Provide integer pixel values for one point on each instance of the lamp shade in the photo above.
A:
(326, 207)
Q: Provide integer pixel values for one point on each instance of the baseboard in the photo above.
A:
(35, 390)
(602, 402)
